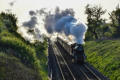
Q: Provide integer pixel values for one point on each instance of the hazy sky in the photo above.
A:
(22, 7)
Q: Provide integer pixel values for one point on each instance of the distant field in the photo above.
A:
(105, 56)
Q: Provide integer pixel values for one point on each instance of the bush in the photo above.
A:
(41, 50)
(108, 34)
(10, 21)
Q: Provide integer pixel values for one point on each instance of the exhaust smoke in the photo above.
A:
(60, 23)
(71, 26)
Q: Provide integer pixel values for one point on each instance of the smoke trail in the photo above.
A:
(49, 23)
(12, 3)
(71, 26)
(34, 26)
(31, 23)
(41, 11)
(32, 13)
(64, 22)
(58, 23)
(78, 30)
(51, 20)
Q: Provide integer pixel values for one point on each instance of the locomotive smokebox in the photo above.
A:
(78, 53)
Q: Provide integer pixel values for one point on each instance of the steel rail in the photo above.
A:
(91, 72)
(66, 64)
(87, 74)
(62, 72)
(59, 64)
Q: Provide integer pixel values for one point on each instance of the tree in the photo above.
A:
(94, 19)
(10, 21)
(117, 14)
(115, 21)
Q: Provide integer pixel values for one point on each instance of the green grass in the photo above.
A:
(27, 53)
(105, 56)
(11, 68)
(30, 55)
(41, 50)
(12, 45)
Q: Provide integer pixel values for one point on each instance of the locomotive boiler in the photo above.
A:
(75, 50)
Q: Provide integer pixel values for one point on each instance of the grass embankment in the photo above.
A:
(17, 53)
(11, 68)
(105, 56)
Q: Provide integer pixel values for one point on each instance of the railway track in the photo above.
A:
(53, 70)
(82, 72)
(71, 71)
(88, 73)
(63, 66)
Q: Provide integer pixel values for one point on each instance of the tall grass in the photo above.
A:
(31, 55)
(41, 50)
(27, 54)
(105, 56)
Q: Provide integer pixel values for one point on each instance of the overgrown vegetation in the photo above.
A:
(11, 68)
(98, 27)
(33, 56)
(103, 44)
(105, 56)
(40, 49)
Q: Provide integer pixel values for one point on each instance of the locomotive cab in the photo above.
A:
(78, 53)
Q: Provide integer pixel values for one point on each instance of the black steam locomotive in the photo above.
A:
(75, 50)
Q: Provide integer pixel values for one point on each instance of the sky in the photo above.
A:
(22, 7)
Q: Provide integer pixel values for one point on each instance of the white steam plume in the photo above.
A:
(59, 23)
(71, 26)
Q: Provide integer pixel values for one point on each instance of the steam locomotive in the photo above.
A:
(75, 50)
